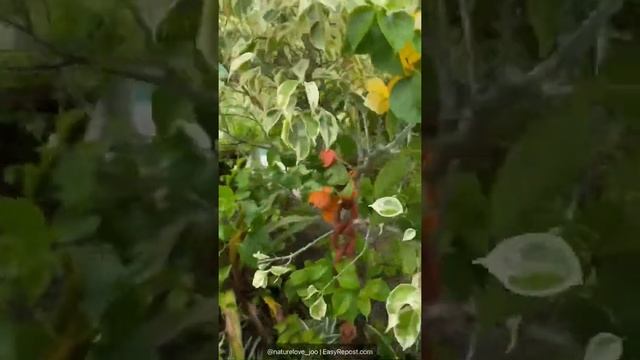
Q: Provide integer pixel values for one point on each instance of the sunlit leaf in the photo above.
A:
(260, 278)
(604, 346)
(239, 61)
(388, 207)
(534, 264)
(409, 234)
(318, 309)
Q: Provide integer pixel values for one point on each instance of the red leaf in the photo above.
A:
(328, 157)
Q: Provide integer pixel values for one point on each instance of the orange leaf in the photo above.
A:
(328, 157)
(327, 202)
(321, 199)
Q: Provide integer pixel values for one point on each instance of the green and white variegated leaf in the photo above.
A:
(238, 61)
(534, 264)
(279, 270)
(284, 93)
(604, 346)
(328, 128)
(260, 278)
(402, 295)
(295, 136)
(300, 68)
(409, 234)
(313, 96)
(388, 206)
(404, 314)
(318, 309)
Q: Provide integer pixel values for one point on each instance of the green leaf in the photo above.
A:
(397, 28)
(102, 272)
(337, 174)
(409, 256)
(237, 62)
(401, 296)
(604, 346)
(295, 134)
(387, 207)
(25, 255)
(342, 300)
(525, 197)
(168, 107)
(223, 274)
(534, 264)
(364, 305)
(67, 228)
(284, 92)
(376, 289)
(154, 11)
(328, 128)
(75, 176)
(348, 278)
(260, 279)
(312, 94)
(408, 328)
(318, 309)
(391, 175)
(545, 17)
(347, 148)
(256, 240)
(299, 277)
(467, 215)
(317, 35)
(406, 99)
(409, 234)
(383, 56)
(401, 5)
(227, 204)
(358, 25)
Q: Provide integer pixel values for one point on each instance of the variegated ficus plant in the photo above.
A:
(320, 195)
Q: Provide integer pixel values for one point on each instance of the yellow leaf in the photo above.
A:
(378, 94)
(274, 307)
(409, 57)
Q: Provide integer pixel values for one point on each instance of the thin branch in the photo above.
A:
(41, 67)
(580, 41)
(364, 248)
(467, 138)
(245, 142)
(384, 150)
(465, 15)
(298, 252)
(164, 79)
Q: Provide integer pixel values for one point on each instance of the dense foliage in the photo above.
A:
(106, 234)
(537, 158)
(312, 96)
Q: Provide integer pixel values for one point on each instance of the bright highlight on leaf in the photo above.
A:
(284, 92)
(418, 20)
(237, 62)
(404, 309)
(279, 270)
(409, 234)
(604, 346)
(534, 264)
(378, 94)
(260, 279)
(388, 206)
(409, 57)
(318, 309)
(312, 94)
